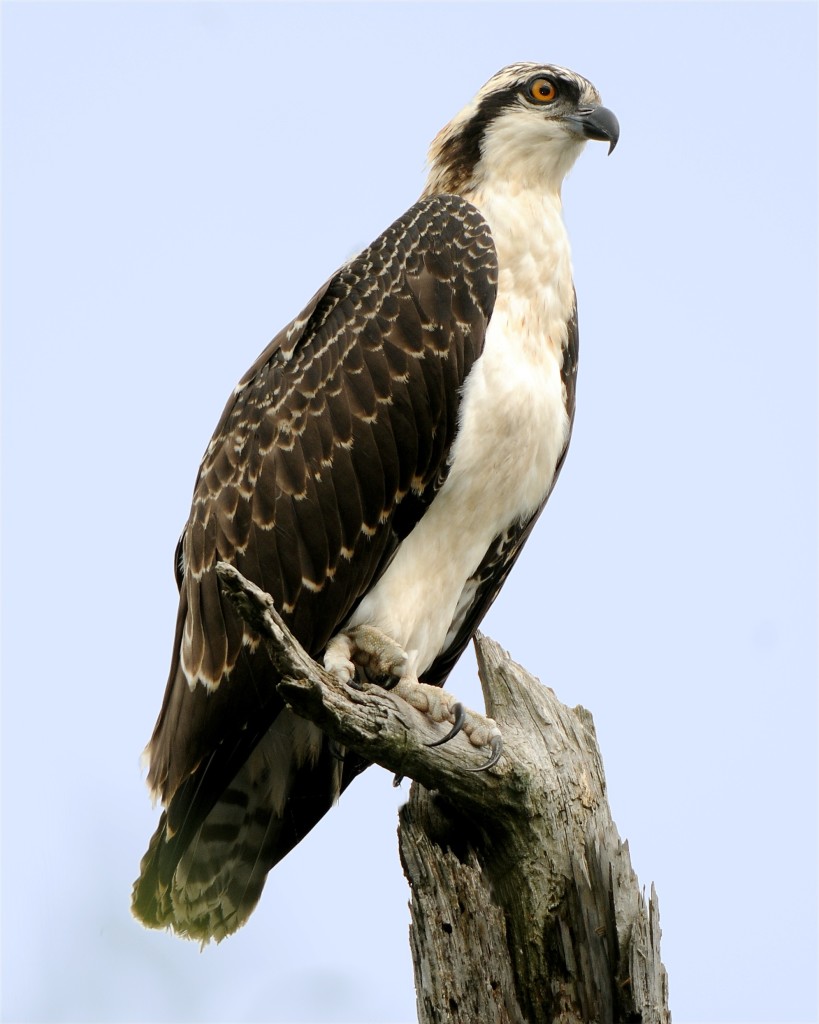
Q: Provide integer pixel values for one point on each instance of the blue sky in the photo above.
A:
(177, 180)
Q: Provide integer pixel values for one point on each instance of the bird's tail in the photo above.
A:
(205, 883)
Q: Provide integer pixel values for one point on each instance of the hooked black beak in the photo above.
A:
(596, 123)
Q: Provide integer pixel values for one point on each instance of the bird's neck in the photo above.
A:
(534, 257)
(506, 157)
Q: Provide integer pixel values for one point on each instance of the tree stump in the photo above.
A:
(525, 907)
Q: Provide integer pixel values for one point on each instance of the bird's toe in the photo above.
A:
(366, 654)
(441, 706)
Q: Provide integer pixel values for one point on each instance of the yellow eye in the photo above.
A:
(542, 90)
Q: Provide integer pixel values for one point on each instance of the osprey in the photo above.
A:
(377, 471)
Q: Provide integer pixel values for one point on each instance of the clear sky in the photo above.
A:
(177, 180)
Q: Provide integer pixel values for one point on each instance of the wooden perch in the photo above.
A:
(525, 907)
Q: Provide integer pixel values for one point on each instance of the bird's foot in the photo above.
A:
(441, 706)
(365, 654)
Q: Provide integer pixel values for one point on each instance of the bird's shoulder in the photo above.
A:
(377, 351)
(440, 250)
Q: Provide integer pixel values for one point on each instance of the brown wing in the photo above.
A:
(330, 450)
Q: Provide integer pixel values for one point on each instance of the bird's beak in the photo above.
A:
(596, 123)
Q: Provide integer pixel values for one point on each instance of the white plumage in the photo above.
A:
(513, 428)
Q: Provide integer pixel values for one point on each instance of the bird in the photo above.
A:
(377, 471)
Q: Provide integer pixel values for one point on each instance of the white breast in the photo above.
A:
(513, 427)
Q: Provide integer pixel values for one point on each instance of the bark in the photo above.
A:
(538, 886)
(525, 907)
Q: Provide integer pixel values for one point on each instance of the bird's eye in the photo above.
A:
(542, 90)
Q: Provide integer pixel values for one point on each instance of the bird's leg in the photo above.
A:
(366, 654)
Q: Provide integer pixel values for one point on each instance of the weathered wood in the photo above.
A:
(525, 907)
(552, 879)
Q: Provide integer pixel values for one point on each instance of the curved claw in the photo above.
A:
(460, 718)
(496, 746)
(386, 680)
(336, 751)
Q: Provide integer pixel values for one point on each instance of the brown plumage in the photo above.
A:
(328, 452)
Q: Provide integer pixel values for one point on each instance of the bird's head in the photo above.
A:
(528, 124)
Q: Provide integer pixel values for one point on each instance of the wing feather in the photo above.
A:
(330, 449)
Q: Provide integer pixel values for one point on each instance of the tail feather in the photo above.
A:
(207, 887)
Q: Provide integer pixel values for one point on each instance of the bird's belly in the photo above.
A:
(513, 427)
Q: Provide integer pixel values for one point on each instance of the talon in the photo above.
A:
(460, 718)
(496, 746)
(336, 751)
(440, 706)
(397, 780)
